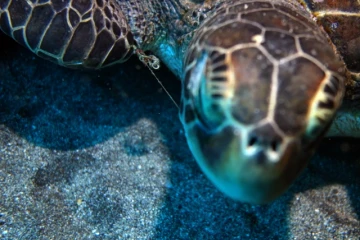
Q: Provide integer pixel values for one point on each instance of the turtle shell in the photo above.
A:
(341, 21)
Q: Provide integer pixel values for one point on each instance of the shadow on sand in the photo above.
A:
(63, 109)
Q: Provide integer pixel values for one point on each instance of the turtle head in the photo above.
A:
(256, 102)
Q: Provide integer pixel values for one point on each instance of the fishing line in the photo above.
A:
(152, 62)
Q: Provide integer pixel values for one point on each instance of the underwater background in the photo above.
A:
(102, 155)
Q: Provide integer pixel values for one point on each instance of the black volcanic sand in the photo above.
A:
(102, 155)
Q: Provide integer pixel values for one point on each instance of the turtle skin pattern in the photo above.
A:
(90, 34)
(261, 87)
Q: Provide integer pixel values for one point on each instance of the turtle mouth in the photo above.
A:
(247, 167)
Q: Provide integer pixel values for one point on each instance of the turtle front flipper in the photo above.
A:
(90, 33)
(261, 87)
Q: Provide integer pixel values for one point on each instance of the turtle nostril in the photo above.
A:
(274, 145)
(269, 143)
(253, 141)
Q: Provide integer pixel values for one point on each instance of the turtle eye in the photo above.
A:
(206, 91)
(215, 90)
(210, 110)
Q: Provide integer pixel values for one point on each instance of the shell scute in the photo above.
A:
(298, 79)
(21, 11)
(322, 52)
(274, 19)
(236, 32)
(82, 6)
(4, 4)
(40, 18)
(117, 52)
(78, 48)
(5, 23)
(19, 36)
(58, 27)
(249, 6)
(223, 19)
(252, 88)
(274, 39)
(103, 43)
(60, 4)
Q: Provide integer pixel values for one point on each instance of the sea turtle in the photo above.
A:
(261, 79)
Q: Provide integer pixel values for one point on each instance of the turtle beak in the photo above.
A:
(254, 167)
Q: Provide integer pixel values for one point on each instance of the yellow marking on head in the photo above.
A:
(321, 96)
